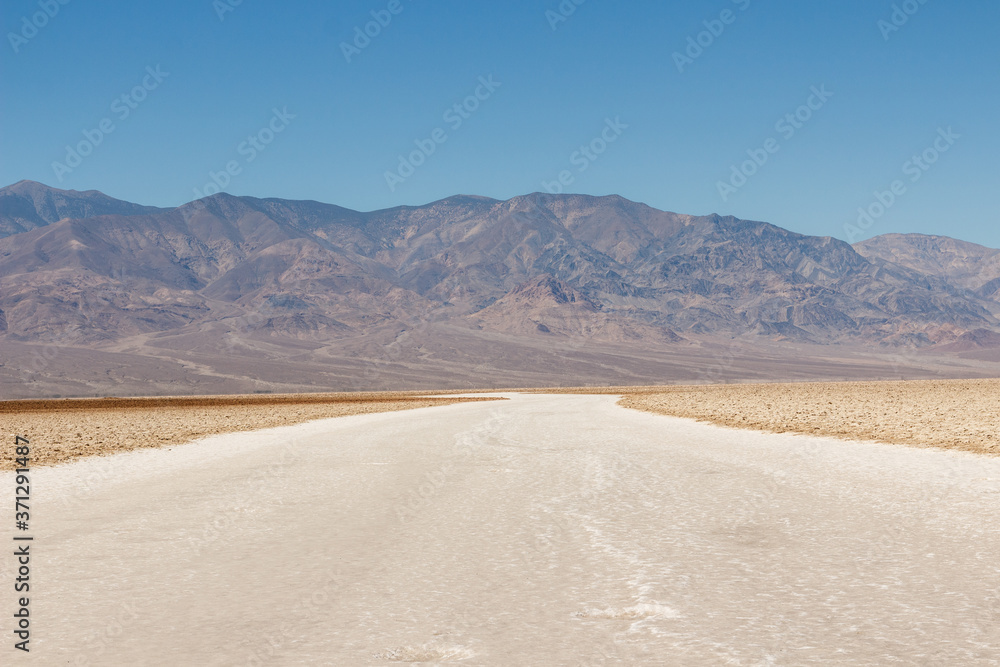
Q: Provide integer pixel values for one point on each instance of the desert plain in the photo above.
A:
(61, 430)
(950, 414)
(544, 529)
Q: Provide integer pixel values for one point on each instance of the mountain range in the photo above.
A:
(229, 293)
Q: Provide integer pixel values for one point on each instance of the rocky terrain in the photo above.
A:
(241, 294)
(950, 414)
(969, 266)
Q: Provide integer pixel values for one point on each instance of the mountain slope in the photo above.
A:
(966, 265)
(425, 287)
(687, 274)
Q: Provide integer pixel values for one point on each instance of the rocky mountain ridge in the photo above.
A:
(248, 276)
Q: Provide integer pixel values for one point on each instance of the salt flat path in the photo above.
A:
(542, 530)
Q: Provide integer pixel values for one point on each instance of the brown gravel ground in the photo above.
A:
(63, 430)
(950, 414)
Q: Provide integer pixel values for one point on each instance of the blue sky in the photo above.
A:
(679, 127)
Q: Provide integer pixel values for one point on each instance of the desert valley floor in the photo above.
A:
(536, 530)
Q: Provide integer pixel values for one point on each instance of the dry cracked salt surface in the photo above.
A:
(541, 530)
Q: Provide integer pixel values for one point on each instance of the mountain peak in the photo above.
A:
(26, 205)
(536, 275)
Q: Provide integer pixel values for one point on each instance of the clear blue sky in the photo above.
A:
(685, 130)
